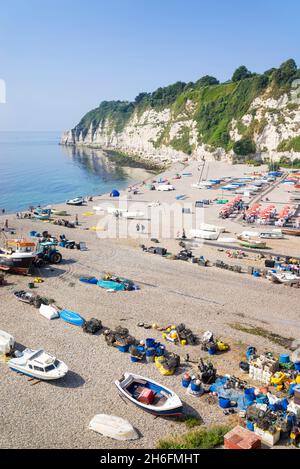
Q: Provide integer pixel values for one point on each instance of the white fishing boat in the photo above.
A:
(283, 277)
(149, 395)
(274, 234)
(113, 427)
(202, 185)
(17, 256)
(75, 201)
(7, 343)
(38, 364)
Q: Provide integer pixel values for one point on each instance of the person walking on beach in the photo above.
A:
(137, 227)
(76, 220)
(3, 211)
(6, 224)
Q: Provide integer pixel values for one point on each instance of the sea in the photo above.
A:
(36, 170)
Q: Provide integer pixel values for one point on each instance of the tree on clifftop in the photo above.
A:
(241, 73)
(286, 73)
(207, 80)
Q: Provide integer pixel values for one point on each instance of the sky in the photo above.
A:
(61, 58)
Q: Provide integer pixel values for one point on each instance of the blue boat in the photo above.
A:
(90, 280)
(71, 317)
(42, 213)
(110, 285)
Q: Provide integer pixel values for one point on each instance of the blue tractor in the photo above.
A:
(47, 254)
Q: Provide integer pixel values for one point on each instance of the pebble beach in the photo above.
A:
(56, 415)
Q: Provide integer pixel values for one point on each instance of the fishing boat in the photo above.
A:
(272, 235)
(284, 277)
(252, 243)
(149, 395)
(38, 364)
(76, 201)
(42, 213)
(58, 212)
(291, 231)
(17, 256)
(7, 343)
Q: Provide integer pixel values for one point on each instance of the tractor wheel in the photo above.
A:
(56, 258)
(39, 263)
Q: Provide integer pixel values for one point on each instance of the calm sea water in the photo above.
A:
(35, 169)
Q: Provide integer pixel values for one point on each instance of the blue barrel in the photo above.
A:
(273, 407)
(224, 402)
(134, 359)
(284, 404)
(297, 366)
(33, 233)
(185, 382)
(249, 396)
(150, 342)
(250, 352)
(150, 352)
(291, 389)
(212, 350)
(141, 348)
(123, 348)
(160, 351)
(195, 387)
(250, 425)
(284, 358)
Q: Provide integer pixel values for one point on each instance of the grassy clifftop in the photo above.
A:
(210, 104)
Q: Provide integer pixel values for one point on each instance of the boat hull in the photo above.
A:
(19, 265)
(26, 372)
(291, 232)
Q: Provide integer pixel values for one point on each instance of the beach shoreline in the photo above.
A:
(171, 292)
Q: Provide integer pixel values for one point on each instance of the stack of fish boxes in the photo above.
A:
(262, 368)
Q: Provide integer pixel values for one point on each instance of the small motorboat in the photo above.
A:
(42, 213)
(291, 231)
(25, 297)
(149, 395)
(113, 427)
(38, 364)
(71, 318)
(272, 235)
(58, 212)
(17, 256)
(284, 277)
(76, 201)
(254, 244)
(7, 343)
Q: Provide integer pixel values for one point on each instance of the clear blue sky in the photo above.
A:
(61, 58)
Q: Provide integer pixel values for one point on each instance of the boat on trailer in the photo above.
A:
(38, 364)
(150, 396)
(17, 256)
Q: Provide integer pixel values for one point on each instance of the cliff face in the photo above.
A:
(252, 117)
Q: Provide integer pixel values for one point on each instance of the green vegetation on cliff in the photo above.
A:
(211, 105)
